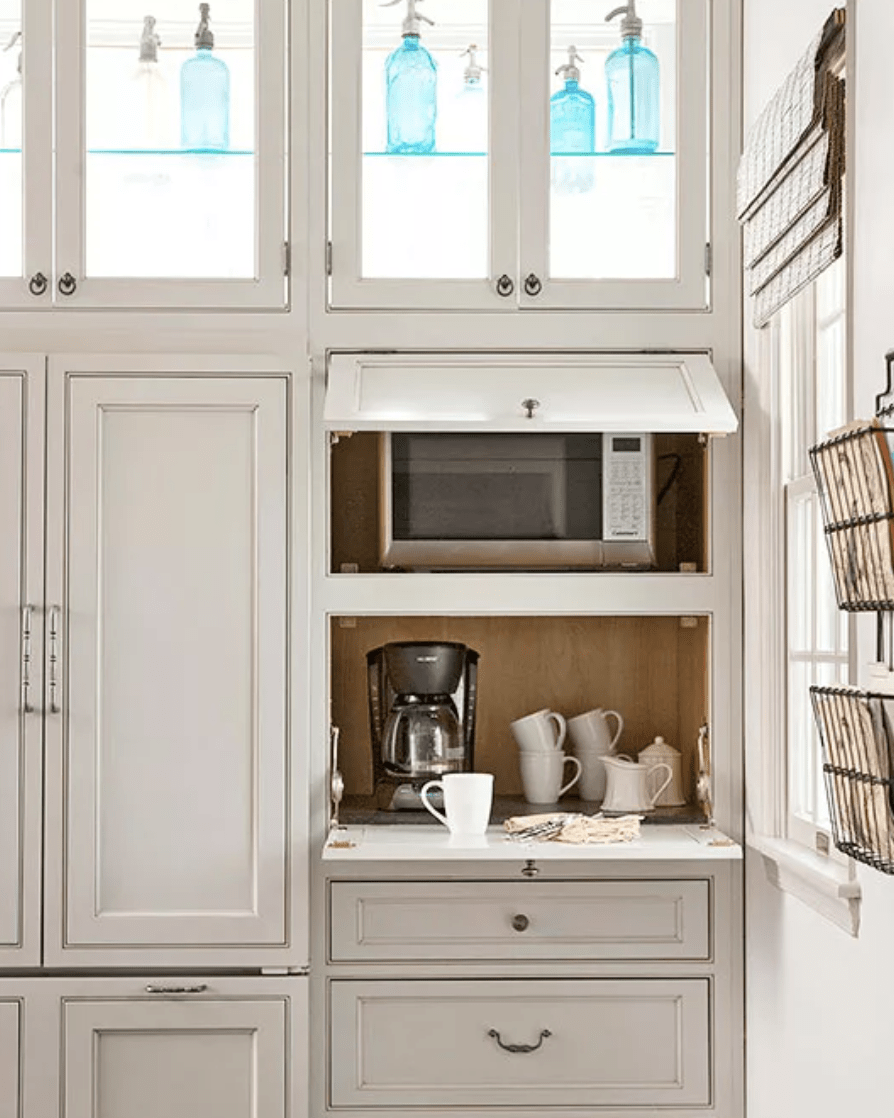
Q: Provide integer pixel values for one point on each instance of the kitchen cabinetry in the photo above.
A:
(97, 156)
(502, 217)
(163, 1047)
(169, 806)
(563, 979)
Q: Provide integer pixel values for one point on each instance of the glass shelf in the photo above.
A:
(555, 154)
(229, 152)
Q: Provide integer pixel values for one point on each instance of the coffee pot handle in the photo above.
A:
(423, 795)
(561, 727)
(670, 776)
(617, 733)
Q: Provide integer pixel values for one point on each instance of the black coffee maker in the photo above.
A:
(422, 698)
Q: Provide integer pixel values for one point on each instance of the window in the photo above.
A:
(811, 393)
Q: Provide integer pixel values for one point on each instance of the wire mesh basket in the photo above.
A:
(855, 480)
(856, 730)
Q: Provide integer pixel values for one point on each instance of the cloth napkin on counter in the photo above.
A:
(580, 830)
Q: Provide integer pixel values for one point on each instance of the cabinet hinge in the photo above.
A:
(329, 258)
(286, 258)
(709, 258)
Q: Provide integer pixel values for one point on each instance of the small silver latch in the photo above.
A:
(530, 405)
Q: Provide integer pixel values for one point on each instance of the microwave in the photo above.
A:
(517, 501)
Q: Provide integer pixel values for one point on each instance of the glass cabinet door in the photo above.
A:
(170, 153)
(25, 154)
(422, 159)
(614, 153)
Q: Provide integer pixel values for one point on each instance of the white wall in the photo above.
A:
(821, 1004)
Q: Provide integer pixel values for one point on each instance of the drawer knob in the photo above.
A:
(520, 922)
(544, 1033)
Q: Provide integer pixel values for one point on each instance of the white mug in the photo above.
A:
(467, 801)
(590, 734)
(542, 774)
(535, 732)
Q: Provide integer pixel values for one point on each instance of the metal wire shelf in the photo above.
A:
(857, 738)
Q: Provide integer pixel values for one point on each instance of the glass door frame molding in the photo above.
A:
(519, 220)
(267, 288)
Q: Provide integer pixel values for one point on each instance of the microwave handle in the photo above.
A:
(470, 693)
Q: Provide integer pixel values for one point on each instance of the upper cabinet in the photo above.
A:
(154, 145)
(506, 154)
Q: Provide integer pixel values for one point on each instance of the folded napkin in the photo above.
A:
(580, 830)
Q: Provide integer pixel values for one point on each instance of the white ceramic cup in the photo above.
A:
(542, 730)
(542, 773)
(467, 801)
(590, 730)
(591, 739)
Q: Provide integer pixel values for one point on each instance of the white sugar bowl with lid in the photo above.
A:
(660, 753)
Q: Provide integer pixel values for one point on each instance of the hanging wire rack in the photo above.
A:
(857, 734)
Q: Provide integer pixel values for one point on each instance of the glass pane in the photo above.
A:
(801, 742)
(800, 571)
(11, 262)
(170, 131)
(613, 174)
(425, 140)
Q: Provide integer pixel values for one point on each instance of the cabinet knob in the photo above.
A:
(67, 284)
(38, 284)
(520, 922)
(505, 286)
(533, 286)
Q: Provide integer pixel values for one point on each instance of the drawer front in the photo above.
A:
(541, 1044)
(418, 920)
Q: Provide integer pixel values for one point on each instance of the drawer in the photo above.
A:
(522, 1044)
(433, 920)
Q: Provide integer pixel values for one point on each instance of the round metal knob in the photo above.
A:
(533, 286)
(67, 284)
(530, 405)
(529, 869)
(38, 284)
(520, 922)
(505, 286)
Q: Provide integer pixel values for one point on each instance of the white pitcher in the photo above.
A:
(627, 784)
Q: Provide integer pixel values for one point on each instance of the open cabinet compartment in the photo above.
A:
(653, 670)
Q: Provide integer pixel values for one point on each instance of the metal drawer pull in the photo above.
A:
(38, 284)
(67, 284)
(27, 613)
(520, 922)
(505, 286)
(200, 989)
(53, 658)
(544, 1033)
(533, 286)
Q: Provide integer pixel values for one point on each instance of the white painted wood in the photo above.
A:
(612, 1043)
(21, 593)
(401, 842)
(267, 289)
(348, 286)
(399, 921)
(10, 1056)
(477, 392)
(37, 17)
(169, 562)
(688, 290)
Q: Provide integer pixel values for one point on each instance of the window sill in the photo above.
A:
(828, 888)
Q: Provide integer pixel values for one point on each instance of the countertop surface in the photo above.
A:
(434, 843)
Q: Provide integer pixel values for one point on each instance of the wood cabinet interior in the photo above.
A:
(653, 670)
(355, 481)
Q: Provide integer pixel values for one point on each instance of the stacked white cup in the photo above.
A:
(540, 737)
(592, 741)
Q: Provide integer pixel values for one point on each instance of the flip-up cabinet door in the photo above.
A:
(21, 578)
(167, 623)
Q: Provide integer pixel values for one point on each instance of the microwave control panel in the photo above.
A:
(626, 487)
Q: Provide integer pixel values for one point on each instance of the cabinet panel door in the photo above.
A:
(170, 622)
(174, 1059)
(21, 576)
(10, 1055)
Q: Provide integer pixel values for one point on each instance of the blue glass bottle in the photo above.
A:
(204, 94)
(411, 90)
(632, 77)
(572, 113)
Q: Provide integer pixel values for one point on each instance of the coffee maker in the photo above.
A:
(422, 697)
